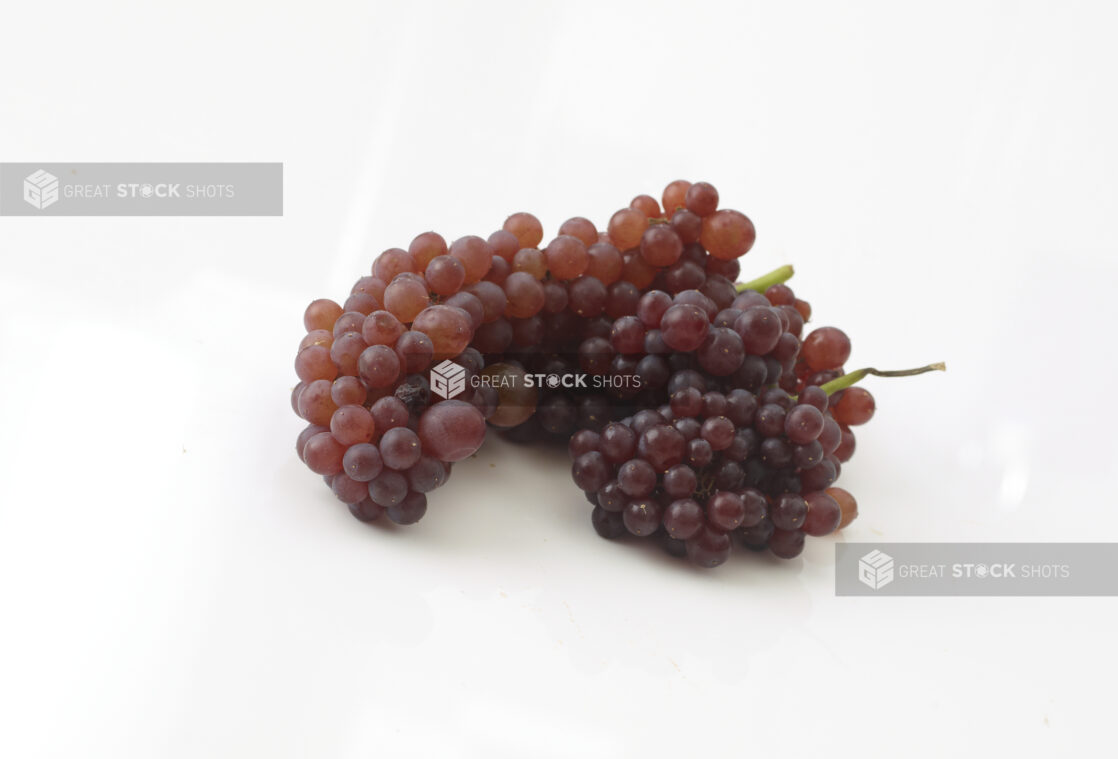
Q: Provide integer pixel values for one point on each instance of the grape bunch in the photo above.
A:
(730, 451)
(699, 409)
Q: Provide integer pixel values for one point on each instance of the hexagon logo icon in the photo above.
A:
(875, 569)
(448, 379)
(41, 189)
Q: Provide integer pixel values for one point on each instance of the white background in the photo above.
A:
(174, 583)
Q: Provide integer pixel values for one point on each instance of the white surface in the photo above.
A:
(174, 583)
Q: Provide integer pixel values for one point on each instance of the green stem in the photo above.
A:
(774, 277)
(846, 380)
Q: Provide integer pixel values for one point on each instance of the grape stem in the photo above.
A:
(846, 380)
(774, 277)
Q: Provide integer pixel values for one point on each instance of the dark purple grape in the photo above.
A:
(683, 519)
(410, 510)
(642, 516)
(608, 524)
(786, 544)
(680, 481)
(388, 489)
(708, 548)
(788, 512)
(637, 478)
(590, 471)
(769, 420)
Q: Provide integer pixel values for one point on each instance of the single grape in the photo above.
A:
(308, 432)
(769, 420)
(321, 337)
(662, 446)
(445, 275)
(699, 453)
(405, 297)
(367, 510)
(323, 454)
(379, 366)
(361, 303)
(684, 327)
(642, 516)
(847, 505)
(651, 308)
(636, 478)
(701, 198)
(316, 402)
(622, 300)
(345, 351)
(381, 328)
(362, 462)
(348, 490)
(755, 505)
(660, 245)
(759, 328)
(727, 234)
(314, 363)
(680, 481)
(604, 262)
(726, 510)
(815, 396)
(803, 424)
(722, 352)
(408, 511)
(567, 257)
(321, 314)
(352, 424)
(525, 295)
(627, 335)
(675, 195)
(647, 205)
(826, 348)
(388, 488)
(415, 350)
(856, 406)
(451, 430)
(392, 262)
(449, 329)
(683, 519)
(823, 514)
(389, 412)
(425, 248)
(719, 432)
(350, 321)
(808, 455)
(683, 275)
(475, 255)
(626, 228)
(708, 548)
(526, 227)
(788, 512)
(607, 524)
(688, 225)
(819, 477)
(400, 448)
(636, 270)
(843, 452)
(786, 544)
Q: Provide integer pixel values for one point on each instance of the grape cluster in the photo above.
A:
(706, 416)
